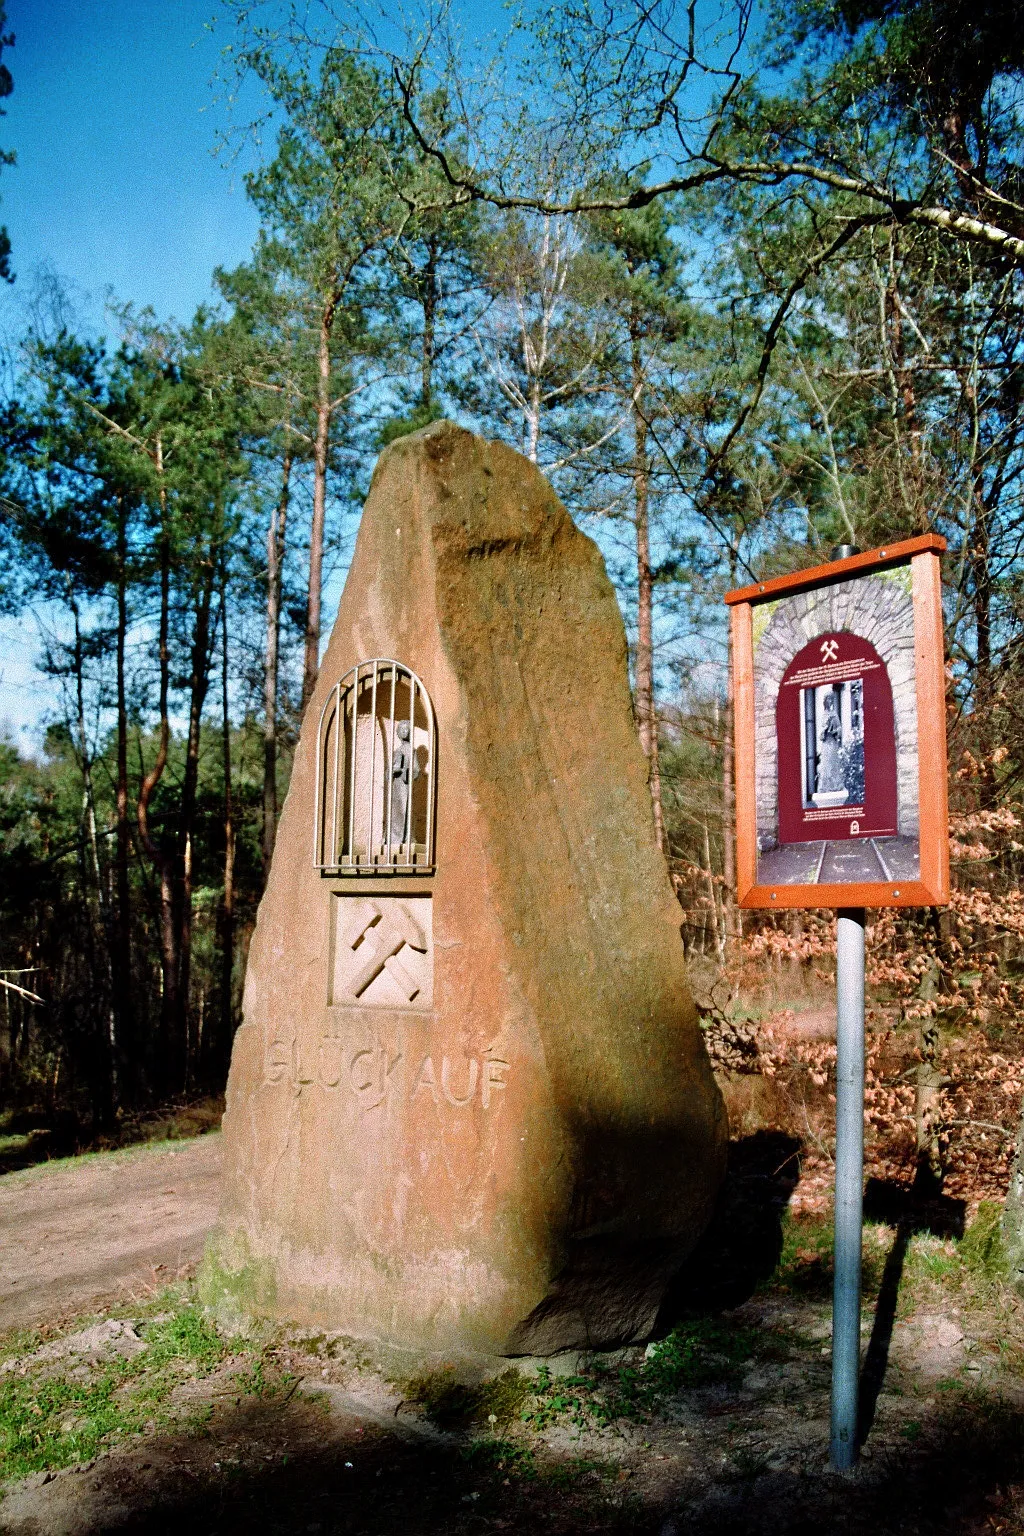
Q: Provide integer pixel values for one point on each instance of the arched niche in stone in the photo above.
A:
(375, 785)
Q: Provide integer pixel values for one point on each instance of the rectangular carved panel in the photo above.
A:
(382, 952)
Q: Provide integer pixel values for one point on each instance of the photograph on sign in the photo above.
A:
(836, 733)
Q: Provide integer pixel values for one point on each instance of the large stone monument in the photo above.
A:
(469, 1106)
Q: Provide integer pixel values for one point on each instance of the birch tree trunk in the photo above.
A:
(276, 533)
(227, 938)
(647, 720)
(321, 451)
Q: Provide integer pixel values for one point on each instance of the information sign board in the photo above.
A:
(839, 707)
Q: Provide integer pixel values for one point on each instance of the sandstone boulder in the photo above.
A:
(469, 1105)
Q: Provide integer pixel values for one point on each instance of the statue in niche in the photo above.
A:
(404, 769)
(830, 762)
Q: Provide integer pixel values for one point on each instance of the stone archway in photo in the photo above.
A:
(878, 608)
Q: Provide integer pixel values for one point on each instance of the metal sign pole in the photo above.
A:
(849, 1184)
(804, 751)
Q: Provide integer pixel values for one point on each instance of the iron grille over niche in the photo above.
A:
(375, 774)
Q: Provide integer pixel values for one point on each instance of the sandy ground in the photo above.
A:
(320, 1439)
(335, 1449)
(77, 1234)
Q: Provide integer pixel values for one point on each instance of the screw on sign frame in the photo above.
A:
(836, 770)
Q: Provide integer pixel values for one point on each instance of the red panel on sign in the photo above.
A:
(837, 743)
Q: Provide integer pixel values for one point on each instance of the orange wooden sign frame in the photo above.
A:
(932, 888)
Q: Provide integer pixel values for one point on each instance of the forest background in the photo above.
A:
(744, 284)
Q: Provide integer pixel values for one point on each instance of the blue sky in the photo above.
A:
(113, 120)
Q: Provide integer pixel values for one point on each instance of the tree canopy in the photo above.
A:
(743, 284)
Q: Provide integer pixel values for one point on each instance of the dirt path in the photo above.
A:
(77, 1233)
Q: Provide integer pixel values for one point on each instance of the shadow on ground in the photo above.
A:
(286, 1465)
(274, 1470)
(741, 1247)
(909, 1209)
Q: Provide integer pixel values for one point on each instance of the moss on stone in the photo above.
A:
(234, 1285)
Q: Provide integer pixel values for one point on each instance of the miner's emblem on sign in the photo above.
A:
(840, 733)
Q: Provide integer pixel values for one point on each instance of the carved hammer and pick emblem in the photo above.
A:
(377, 934)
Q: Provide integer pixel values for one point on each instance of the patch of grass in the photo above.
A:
(982, 1249)
(52, 1418)
(568, 1473)
(443, 1399)
(41, 1170)
(30, 1140)
(257, 1381)
(186, 1335)
(805, 1263)
(498, 1455)
(695, 1354)
(504, 1396)
(976, 1268)
(156, 1308)
(746, 1463)
(19, 1341)
(932, 1258)
(571, 1396)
